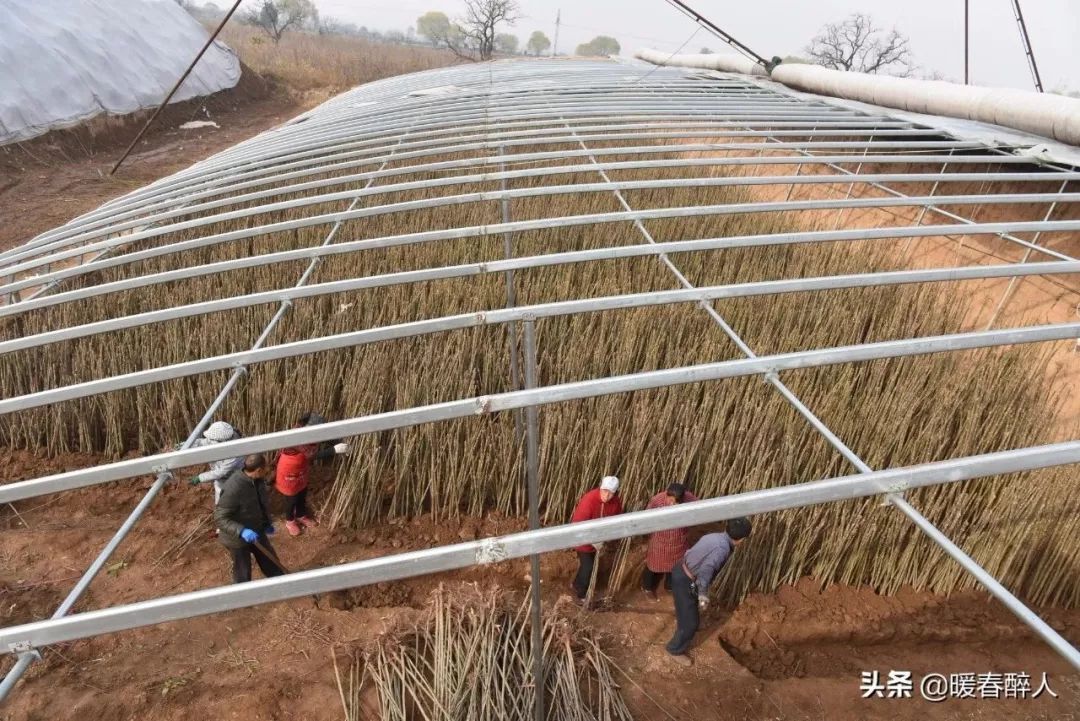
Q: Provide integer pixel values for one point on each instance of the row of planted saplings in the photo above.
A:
(727, 437)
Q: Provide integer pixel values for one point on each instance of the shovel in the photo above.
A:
(277, 562)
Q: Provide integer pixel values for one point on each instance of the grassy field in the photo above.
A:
(304, 61)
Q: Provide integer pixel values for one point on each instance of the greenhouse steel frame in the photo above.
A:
(665, 118)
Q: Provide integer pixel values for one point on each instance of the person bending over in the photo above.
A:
(691, 578)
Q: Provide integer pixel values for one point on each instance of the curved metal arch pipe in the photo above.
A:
(508, 315)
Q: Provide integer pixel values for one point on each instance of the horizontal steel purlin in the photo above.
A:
(261, 166)
(353, 246)
(322, 122)
(613, 252)
(336, 145)
(461, 232)
(483, 177)
(63, 255)
(537, 126)
(105, 214)
(483, 405)
(546, 310)
(489, 550)
(326, 164)
(691, 182)
(34, 249)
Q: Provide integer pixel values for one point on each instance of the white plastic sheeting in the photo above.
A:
(1037, 146)
(63, 61)
(708, 61)
(1044, 114)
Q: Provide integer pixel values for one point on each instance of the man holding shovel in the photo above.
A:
(600, 502)
(243, 520)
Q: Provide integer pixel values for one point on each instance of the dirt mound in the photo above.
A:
(381, 595)
(803, 630)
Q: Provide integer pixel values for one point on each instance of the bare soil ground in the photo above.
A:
(796, 654)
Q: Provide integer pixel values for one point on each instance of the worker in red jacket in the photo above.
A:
(598, 503)
(291, 475)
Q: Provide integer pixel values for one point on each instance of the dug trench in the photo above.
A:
(794, 654)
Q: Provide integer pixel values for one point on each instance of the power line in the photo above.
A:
(669, 57)
(718, 32)
(620, 34)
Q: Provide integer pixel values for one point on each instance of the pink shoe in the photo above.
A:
(307, 521)
(293, 528)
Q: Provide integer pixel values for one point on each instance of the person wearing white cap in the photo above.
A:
(218, 432)
(600, 502)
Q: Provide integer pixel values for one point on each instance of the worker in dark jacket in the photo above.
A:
(243, 520)
(600, 502)
(690, 581)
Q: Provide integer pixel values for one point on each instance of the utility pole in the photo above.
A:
(967, 51)
(558, 20)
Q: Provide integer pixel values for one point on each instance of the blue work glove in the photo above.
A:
(269, 531)
(249, 535)
(194, 481)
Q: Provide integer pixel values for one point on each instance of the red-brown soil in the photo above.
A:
(796, 654)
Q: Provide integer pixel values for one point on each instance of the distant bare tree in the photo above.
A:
(600, 46)
(434, 26)
(507, 43)
(482, 19)
(327, 25)
(538, 43)
(859, 45)
(276, 17)
(473, 36)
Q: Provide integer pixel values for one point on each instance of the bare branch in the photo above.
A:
(276, 17)
(454, 38)
(481, 22)
(857, 44)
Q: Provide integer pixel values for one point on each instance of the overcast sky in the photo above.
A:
(783, 27)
